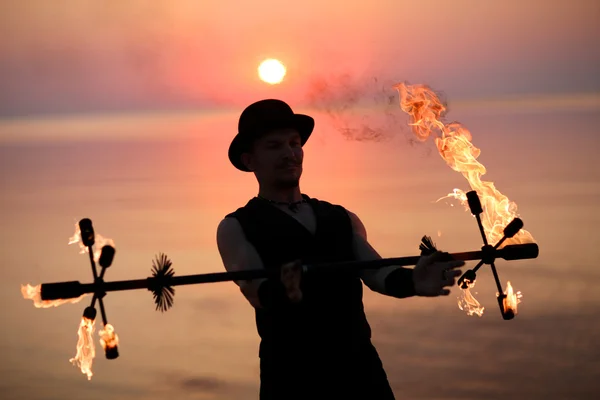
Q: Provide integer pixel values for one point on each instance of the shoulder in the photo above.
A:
(326, 205)
(229, 230)
(229, 222)
(357, 225)
(233, 218)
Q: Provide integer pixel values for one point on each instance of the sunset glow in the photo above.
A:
(271, 71)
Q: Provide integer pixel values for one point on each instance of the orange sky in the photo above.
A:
(159, 181)
(80, 56)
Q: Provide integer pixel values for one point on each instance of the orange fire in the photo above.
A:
(512, 299)
(468, 303)
(100, 241)
(454, 145)
(86, 350)
(34, 293)
(108, 337)
(85, 344)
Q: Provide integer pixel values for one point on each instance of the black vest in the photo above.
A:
(331, 316)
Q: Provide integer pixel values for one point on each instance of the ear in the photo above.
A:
(246, 159)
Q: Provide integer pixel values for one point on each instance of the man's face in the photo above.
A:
(276, 158)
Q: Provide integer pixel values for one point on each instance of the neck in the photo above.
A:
(283, 195)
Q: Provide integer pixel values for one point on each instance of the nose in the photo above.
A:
(290, 153)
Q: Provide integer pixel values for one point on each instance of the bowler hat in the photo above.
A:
(264, 116)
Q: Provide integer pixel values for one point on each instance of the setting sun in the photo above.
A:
(271, 71)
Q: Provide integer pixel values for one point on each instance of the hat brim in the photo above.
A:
(304, 124)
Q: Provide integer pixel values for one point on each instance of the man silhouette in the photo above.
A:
(315, 337)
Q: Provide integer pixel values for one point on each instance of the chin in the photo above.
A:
(288, 183)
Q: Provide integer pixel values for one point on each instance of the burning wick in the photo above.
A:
(109, 341)
(509, 301)
(100, 243)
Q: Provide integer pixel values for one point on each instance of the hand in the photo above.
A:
(434, 272)
(291, 274)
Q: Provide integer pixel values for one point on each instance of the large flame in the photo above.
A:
(34, 293)
(454, 145)
(100, 241)
(86, 350)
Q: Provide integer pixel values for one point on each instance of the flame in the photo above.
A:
(509, 303)
(34, 293)
(86, 350)
(100, 241)
(468, 303)
(453, 142)
(108, 337)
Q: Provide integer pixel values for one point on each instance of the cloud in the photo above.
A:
(190, 386)
(202, 384)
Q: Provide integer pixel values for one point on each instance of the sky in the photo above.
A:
(70, 56)
(123, 112)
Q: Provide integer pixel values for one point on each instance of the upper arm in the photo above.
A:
(373, 278)
(362, 249)
(238, 254)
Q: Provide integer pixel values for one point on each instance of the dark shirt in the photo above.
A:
(326, 337)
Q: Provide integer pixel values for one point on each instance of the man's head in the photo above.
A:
(269, 140)
(276, 158)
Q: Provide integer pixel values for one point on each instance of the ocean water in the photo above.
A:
(162, 184)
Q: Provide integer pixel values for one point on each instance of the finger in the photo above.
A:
(453, 274)
(449, 265)
(449, 282)
(455, 264)
(449, 277)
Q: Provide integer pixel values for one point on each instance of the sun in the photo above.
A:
(271, 71)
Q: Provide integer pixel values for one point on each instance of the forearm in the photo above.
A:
(269, 294)
(394, 281)
(399, 283)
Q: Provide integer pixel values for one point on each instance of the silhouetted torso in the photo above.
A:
(326, 338)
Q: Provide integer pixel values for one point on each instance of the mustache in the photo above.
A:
(290, 164)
